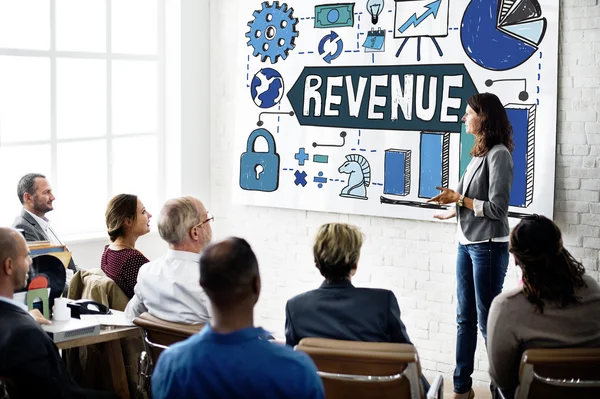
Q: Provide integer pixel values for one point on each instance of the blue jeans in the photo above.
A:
(480, 272)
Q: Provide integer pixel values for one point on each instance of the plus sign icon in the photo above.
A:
(301, 156)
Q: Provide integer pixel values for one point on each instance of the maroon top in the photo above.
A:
(122, 267)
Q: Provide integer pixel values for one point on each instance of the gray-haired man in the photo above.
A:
(168, 287)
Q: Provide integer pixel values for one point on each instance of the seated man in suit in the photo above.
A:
(29, 357)
(168, 287)
(230, 358)
(36, 196)
(337, 309)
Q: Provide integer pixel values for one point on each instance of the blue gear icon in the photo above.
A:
(272, 32)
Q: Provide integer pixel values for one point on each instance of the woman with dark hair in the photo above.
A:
(481, 209)
(126, 220)
(557, 306)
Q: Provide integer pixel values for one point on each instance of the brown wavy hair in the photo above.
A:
(495, 127)
(550, 272)
(120, 208)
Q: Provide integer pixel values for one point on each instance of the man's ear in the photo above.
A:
(256, 285)
(7, 267)
(193, 234)
(27, 197)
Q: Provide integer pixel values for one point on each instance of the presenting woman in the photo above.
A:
(481, 209)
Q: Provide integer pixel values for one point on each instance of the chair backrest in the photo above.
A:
(160, 334)
(560, 373)
(352, 369)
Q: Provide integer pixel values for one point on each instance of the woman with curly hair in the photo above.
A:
(481, 209)
(557, 306)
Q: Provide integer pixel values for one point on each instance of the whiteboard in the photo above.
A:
(341, 108)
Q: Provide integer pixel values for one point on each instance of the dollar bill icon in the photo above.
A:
(334, 15)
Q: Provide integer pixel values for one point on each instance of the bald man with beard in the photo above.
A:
(30, 359)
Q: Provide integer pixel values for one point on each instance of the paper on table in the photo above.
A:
(115, 319)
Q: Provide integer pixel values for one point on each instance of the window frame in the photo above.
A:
(108, 137)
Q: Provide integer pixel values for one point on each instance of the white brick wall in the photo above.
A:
(414, 259)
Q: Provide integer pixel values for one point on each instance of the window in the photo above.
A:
(82, 100)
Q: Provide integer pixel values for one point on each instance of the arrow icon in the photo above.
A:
(331, 37)
(432, 9)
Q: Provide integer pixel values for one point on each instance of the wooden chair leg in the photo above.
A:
(112, 349)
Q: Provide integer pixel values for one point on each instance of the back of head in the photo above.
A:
(495, 126)
(8, 246)
(337, 250)
(229, 273)
(14, 263)
(120, 208)
(550, 273)
(27, 185)
(177, 217)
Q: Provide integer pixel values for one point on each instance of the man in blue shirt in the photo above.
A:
(231, 358)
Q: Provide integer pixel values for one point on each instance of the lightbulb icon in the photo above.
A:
(375, 7)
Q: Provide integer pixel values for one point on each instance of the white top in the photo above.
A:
(45, 225)
(478, 211)
(169, 288)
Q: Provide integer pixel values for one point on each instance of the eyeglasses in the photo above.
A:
(209, 218)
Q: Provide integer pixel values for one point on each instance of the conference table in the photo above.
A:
(110, 338)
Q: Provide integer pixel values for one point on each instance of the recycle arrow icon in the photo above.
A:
(331, 37)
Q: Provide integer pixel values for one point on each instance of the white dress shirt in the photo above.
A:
(169, 288)
(45, 225)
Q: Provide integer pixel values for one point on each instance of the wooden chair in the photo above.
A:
(560, 373)
(158, 335)
(352, 369)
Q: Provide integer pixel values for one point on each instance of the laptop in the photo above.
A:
(60, 331)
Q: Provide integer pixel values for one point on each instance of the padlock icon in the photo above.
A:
(259, 171)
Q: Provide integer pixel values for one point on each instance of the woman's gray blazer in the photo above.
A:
(489, 179)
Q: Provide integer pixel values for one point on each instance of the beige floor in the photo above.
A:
(480, 392)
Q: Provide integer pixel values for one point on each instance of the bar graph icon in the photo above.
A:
(522, 119)
(397, 172)
(434, 163)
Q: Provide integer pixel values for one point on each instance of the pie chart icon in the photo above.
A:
(502, 34)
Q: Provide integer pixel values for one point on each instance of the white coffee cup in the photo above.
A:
(61, 312)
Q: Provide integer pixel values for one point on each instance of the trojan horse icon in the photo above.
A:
(359, 170)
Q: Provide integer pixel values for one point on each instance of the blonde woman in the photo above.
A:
(338, 309)
(126, 220)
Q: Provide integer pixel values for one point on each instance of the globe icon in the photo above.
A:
(266, 88)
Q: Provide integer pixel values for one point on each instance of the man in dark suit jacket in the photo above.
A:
(30, 360)
(36, 196)
(337, 309)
